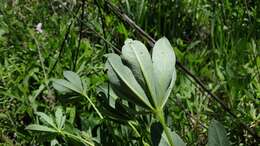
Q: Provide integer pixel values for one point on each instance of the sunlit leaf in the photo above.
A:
(138, 59)
(163, 58)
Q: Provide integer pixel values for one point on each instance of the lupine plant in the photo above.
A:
(145, 80)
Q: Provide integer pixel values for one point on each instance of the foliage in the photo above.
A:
(218, 41)
(144, 80)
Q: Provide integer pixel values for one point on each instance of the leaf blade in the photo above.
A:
(121, 77)
(217, 135)
(164, 60)
(139, 61)
(74, 79)
(37, 127)
(46, 118)
(177, 141)
(65, 85)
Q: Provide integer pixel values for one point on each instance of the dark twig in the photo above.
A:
(151, 42)
(80, 35)
(62, 47)
(94, 31)
(103, 23)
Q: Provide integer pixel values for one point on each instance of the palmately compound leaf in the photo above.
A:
(217, 135)
(138, 59)
(65, 86)
(58, 85)
(164, 60)
(72, 83)
(124, 82)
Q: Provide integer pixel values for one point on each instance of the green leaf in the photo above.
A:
(74, 79)
(164, 60)
(55, 142)
(177, 141)
(60, 119)
(73, 83)
(217, 135)
(38, 91)
(169, 90)
(65, 86)
(46, 118)
(37, 127)
(138, 59)
(58, 85)
(3, 116)
(121, 77)
(71, 111)
(193, 44)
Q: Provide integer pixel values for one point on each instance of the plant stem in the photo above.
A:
(42, 62)
(93, 105)
(160, 117)
(133, 127)
(77, 138)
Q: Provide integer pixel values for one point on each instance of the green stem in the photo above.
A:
(42, 62)
(160, 117)
(93, 105)
(133, 127)
(77, 138)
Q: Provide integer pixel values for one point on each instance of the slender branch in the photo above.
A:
(151, 42)
(42, 62)
(76, 137)
(103, 24)
(93, 105)
(80, 35)
(62, 47)
(93, 30)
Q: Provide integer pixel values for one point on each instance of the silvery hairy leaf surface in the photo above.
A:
(141, 78)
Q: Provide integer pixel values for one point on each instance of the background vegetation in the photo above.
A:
(218, 41)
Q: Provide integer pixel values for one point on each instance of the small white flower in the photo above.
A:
(39, 28)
